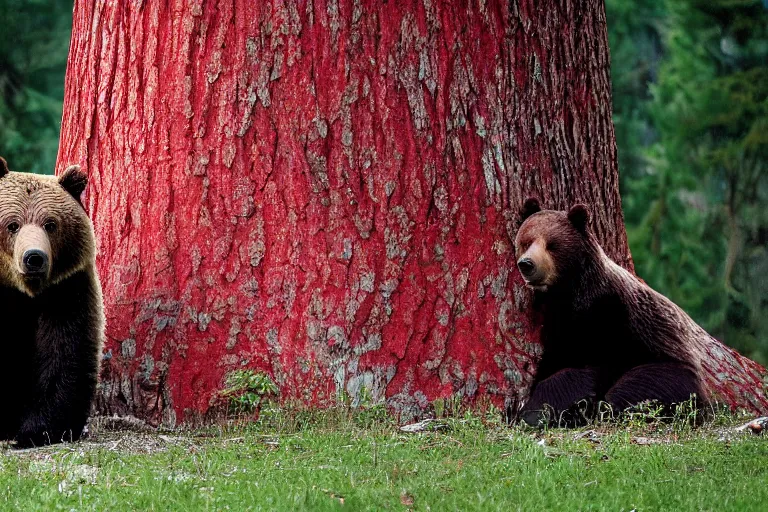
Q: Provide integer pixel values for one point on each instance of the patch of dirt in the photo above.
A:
(122, 434)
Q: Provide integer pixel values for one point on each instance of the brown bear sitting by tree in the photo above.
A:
(606, 336)
(51, 307)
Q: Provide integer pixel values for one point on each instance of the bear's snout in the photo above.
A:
(537, 266)
(527, 267)
(35, 261)
(33, 255)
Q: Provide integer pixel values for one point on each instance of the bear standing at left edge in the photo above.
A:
(51, 312)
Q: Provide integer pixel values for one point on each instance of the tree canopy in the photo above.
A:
(33, 59)
(690, 82)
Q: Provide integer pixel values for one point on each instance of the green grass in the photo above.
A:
(340, 461)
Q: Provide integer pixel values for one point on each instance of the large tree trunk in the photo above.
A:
(325, 191)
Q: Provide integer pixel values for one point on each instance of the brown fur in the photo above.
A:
(635, 343)
(50, 306)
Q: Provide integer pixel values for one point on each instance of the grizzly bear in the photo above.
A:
(50, 305)
(606, 335)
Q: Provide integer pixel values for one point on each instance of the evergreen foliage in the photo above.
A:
(33, 57)
(691, 112)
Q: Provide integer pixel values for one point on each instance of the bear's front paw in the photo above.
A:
(537, 417)
(32, 439)
(28, 438)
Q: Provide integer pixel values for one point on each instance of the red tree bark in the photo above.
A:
(325, 190)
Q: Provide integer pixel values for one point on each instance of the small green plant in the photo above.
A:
(645, 413)
(370, 412)
(449, 407)
(246, 390)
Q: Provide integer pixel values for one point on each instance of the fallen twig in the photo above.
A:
(756, 426)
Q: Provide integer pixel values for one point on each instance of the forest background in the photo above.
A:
(690, 108)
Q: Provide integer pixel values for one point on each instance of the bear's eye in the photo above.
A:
(13, 227)
(552, 246)
(49, 226)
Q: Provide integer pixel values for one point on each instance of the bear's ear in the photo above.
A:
(3, 167)
(579, 217)
(530, 207)
(73, 180)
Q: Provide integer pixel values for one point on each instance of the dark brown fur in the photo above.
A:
(52, 320)
(606, 335)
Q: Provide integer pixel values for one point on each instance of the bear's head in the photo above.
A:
(552, 246)
(45, 234)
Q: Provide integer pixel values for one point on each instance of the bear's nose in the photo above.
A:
(35, 262)
(526, 266)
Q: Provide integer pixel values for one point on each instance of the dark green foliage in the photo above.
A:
(635, 56)
(34, 43)
(246, 390)
(692, 134)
